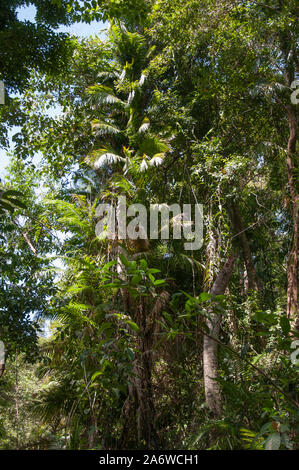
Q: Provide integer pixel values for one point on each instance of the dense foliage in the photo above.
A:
(142, 344)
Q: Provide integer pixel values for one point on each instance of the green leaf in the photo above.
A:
(95, 375)
(108, 265)
(218, 298)
(136, 279)
(133, 325)
(204, 296)
(143, 264)
(124, 260)
(273, 441)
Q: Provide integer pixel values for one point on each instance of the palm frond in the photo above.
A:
(157, 159)
(102, 94)
(144, 165)
(151, 145)
(107, 158)
(144, 126)
(142, 79)
(102, 128)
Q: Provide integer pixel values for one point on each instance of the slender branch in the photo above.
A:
(29, 243)
(267, 6)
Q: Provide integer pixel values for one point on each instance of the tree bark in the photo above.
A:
(292, 269)
(141, 398)
(2, 358)
(210, 347)
(146, 408)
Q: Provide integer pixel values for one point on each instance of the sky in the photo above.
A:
(78, 29)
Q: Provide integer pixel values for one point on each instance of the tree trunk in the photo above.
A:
(141, 397)
(146, 408)
(252, 278)
(210, 347)
(2, 358)
(292, 270)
